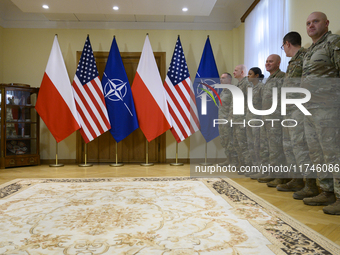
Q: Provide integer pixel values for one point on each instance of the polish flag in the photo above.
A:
(55, 103)
(149, 96)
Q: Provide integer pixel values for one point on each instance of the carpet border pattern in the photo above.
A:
(288, 235)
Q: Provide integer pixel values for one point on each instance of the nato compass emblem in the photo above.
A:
(207, 86)
(115, 90)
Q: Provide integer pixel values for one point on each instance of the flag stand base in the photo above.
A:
(85, 165)
(147, 164)
(56, 165)
(117, 164)
(176, 164)
(205, 164)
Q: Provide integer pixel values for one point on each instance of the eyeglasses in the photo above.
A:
(282, 48)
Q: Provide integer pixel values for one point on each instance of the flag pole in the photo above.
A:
(56, 158)
(117, 164)
(176, 164)
(205, 158)
(85, 164)
(147, 156)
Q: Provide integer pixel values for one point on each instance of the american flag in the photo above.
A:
(89, 96)
(180, 96)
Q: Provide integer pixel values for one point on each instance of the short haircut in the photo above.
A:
(293, 38)
(228, 74)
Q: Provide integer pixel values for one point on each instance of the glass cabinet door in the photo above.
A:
(21, 123)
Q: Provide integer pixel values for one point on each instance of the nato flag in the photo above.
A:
(207, 74)
(118, 96)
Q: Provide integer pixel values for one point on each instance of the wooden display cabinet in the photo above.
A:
(19, 126)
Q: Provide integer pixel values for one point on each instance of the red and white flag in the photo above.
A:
(180, 96)
(55, 103)
(149, 96)
(88, 93)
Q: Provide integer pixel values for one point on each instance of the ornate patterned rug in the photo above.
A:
(169, 216)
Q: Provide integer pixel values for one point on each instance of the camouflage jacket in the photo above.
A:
(274, 80)
(320, 74)
(243, 85)
(257, 99)
(223, 110)
(293, 75)
(294, 68)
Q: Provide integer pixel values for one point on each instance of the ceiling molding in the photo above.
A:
(253, 5)
(118, 25)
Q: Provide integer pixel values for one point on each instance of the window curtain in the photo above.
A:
(265, 28)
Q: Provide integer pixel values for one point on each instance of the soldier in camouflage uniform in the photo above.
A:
(226, 132)
(294, 141)
(271, 134)
(239, 130)
(320, 76)
(255, 77)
